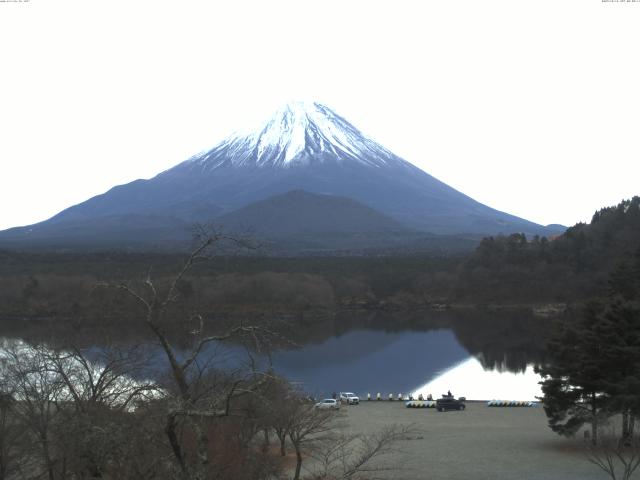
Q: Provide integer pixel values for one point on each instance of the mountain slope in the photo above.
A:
(118, 231)
(302, 147)
(299, 213)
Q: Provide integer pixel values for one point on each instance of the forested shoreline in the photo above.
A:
(503, 270)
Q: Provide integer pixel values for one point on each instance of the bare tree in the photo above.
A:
(108, 379)
(618, 458)
(280, 402)
(74, 416)
(195, 400)
(11, 435)
(307, 425)
(358, 456)
(99, 394)
(38, 393)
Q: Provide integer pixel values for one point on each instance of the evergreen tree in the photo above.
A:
(573, 382)
(594, 368)
(619, 330)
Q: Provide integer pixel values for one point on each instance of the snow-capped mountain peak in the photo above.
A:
(299, 133)
(306, 173)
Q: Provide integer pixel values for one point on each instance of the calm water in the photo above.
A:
(367, 361)
(479, 356)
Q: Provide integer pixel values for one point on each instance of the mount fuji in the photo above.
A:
(305, 148)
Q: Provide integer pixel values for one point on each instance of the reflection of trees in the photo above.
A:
(501, 340)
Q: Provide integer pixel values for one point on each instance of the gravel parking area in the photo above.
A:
(478, 443)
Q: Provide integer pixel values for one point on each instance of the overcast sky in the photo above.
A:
(531, 107)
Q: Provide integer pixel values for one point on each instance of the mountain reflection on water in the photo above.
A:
(371, 361)
(471, 380)
(477, 354)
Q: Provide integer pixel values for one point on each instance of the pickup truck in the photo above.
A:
(450, 403)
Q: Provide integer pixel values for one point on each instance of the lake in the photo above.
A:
(370, 361)
(476, 354)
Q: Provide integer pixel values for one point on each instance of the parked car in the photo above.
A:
(450, 403)
(328, 403)
(349, 398)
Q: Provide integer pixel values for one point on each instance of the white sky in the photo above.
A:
(529, 106)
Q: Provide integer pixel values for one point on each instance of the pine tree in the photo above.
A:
(594, 367)
(573, 381)
(619, 330)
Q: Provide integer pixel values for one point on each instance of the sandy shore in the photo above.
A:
(478, 443)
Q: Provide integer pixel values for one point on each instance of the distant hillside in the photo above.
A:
(121, 232)
(299, 213)
(303, 223)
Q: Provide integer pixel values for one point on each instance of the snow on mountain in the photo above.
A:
(297, 134)
(303, 147)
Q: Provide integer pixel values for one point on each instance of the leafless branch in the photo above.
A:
(350, 457)
(617, 460)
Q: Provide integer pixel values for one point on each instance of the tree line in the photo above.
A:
(572, 267)
(509, 269)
